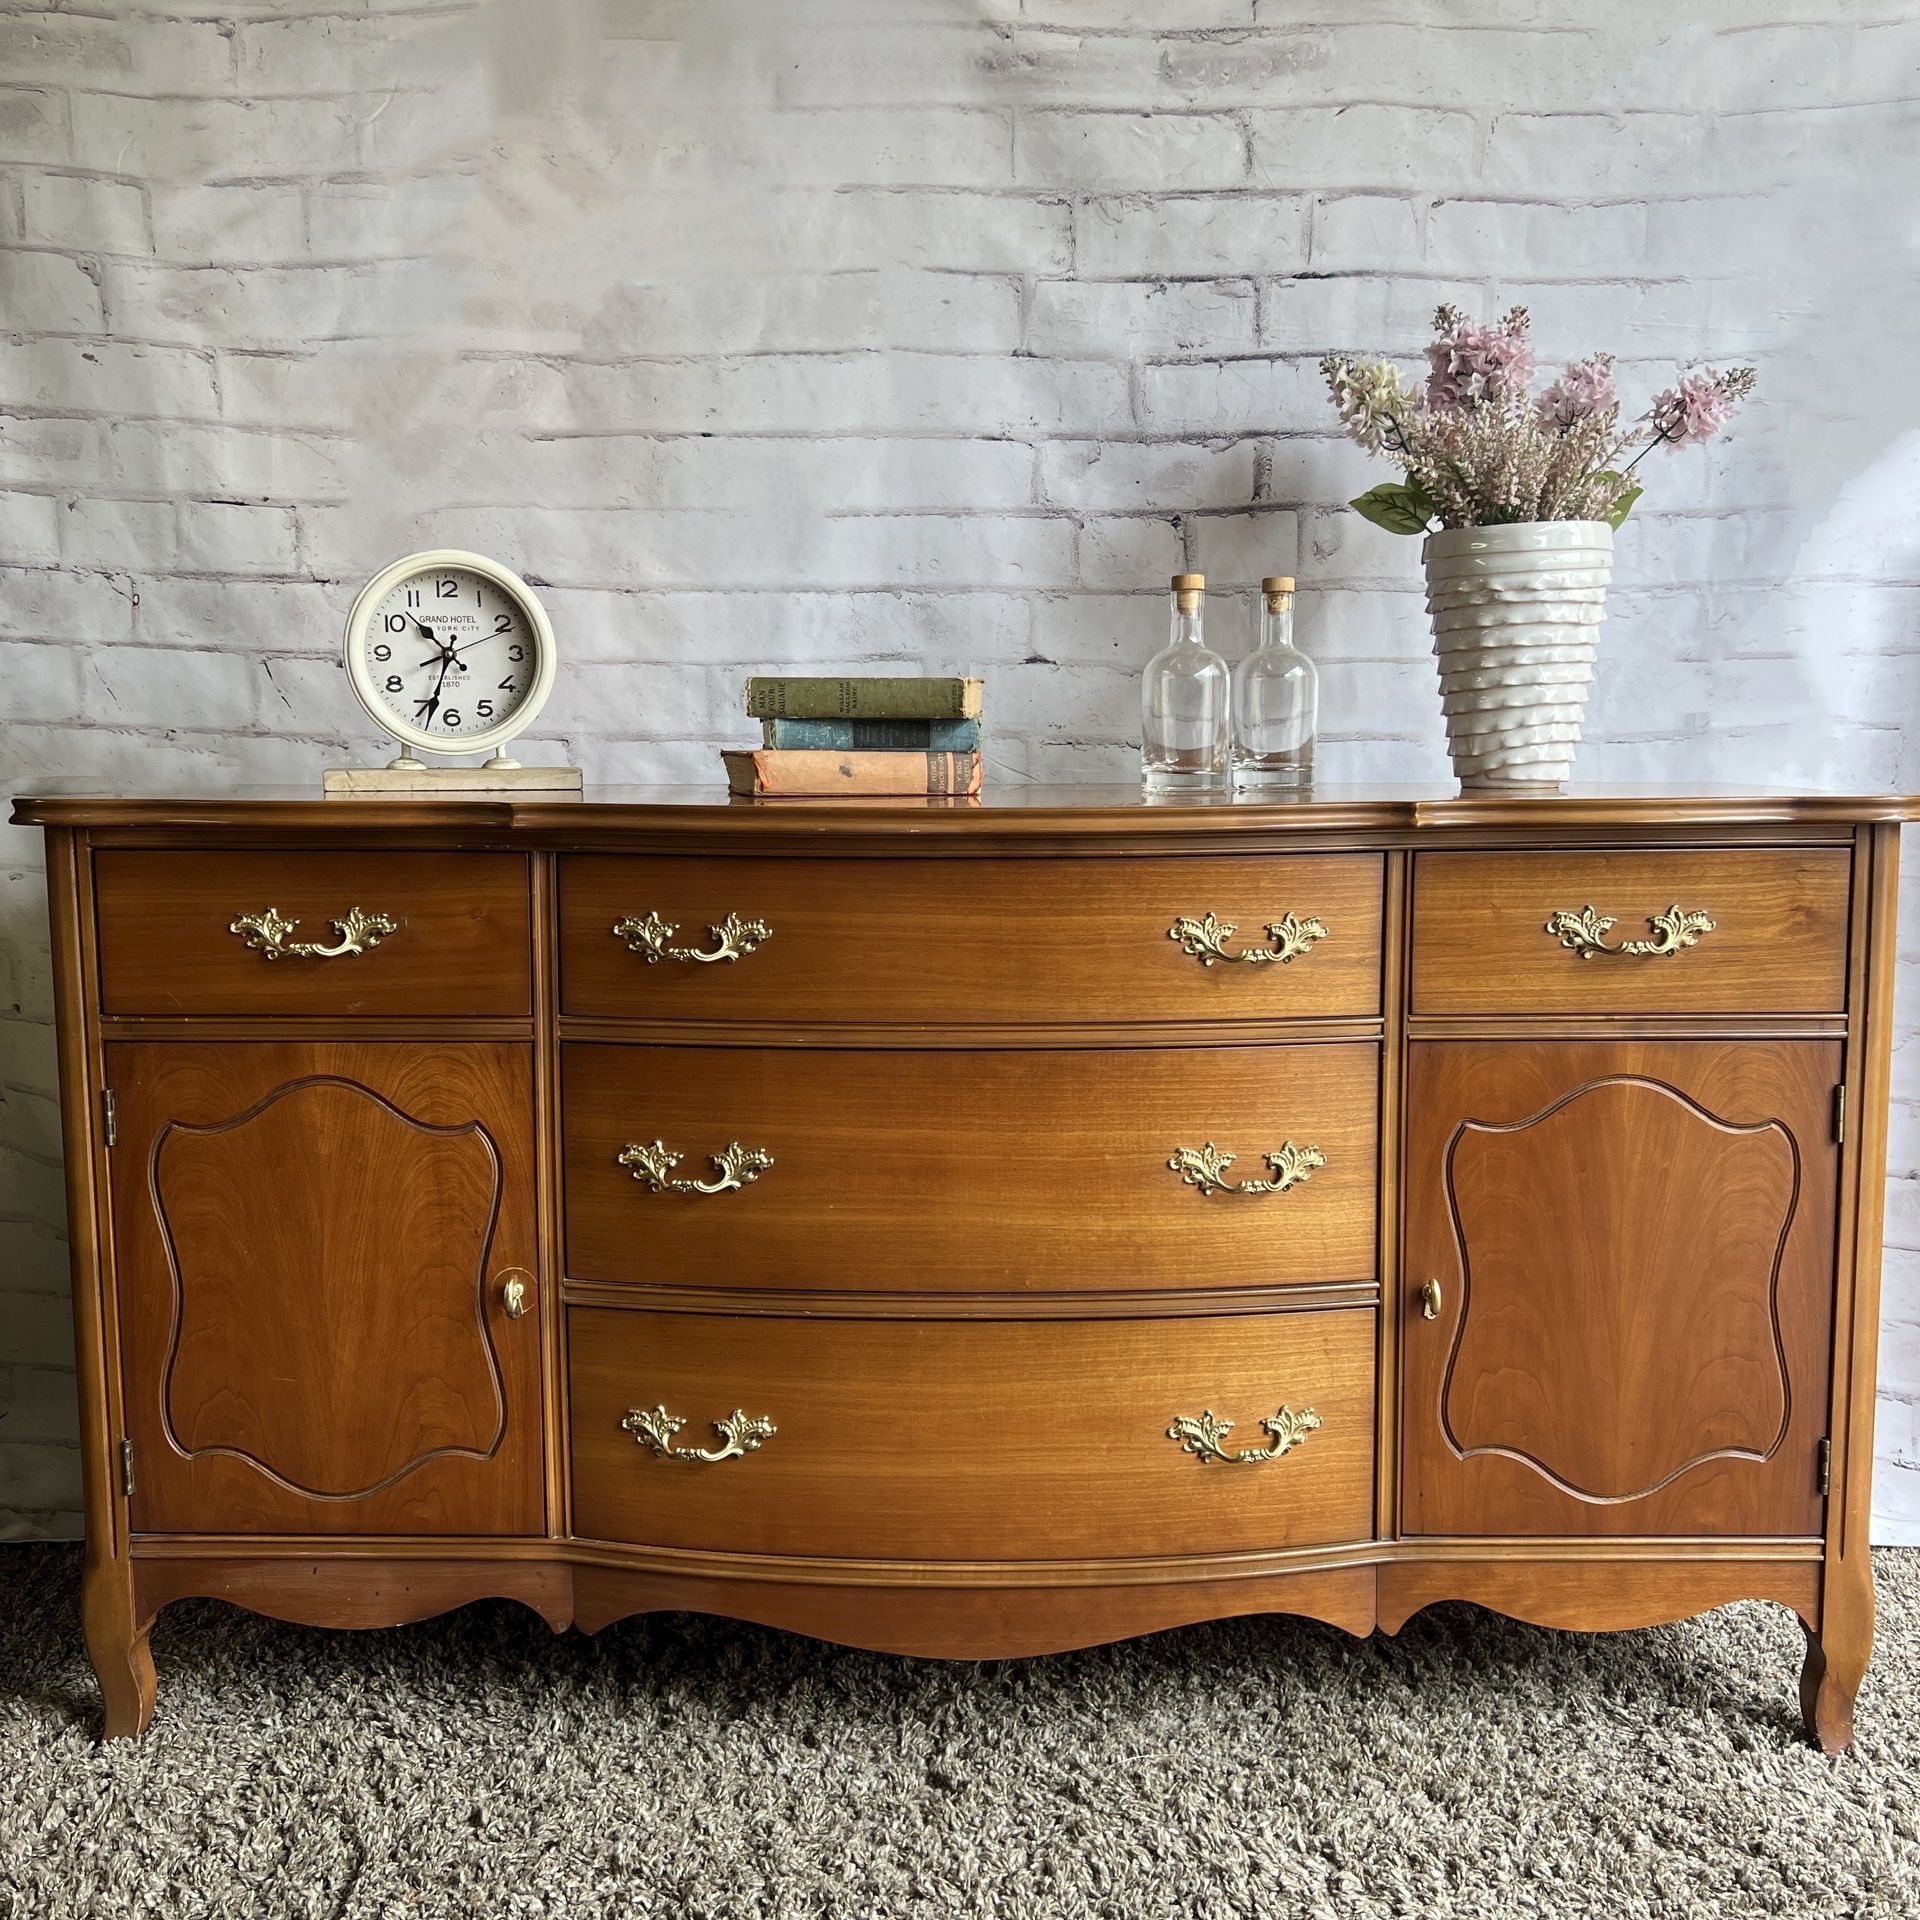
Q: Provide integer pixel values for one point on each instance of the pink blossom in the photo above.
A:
(1470, 363)
(1586, 388)
(1693, 411)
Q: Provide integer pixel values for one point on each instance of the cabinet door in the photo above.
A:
(316, 1248)
(1634, 1250)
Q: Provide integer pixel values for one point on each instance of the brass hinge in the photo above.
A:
(111, 1116)
(1840, 1115)
(1826, 1467)
(126, 1468)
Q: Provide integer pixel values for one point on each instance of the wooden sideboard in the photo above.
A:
(976, 1230)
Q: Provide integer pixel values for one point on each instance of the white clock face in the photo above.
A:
(450, 653)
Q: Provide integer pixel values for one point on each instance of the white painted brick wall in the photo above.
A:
(930, 333)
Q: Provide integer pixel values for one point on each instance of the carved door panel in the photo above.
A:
(318, 1252)
(1633, 1244)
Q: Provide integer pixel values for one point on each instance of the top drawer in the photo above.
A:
(1512, 932)
(1014, 942)
(459, 940)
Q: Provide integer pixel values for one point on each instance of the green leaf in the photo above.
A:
(1400, 509)
(1615, 515)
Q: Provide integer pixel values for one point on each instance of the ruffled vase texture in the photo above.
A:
(1516, 625)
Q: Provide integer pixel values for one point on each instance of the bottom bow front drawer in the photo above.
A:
(998, 1440)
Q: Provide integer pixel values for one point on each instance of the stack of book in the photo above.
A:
(900, 736)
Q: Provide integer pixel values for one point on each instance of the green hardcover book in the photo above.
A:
(909, 697)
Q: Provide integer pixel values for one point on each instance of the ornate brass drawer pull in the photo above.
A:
(1206, 939)
(1430, 1299)
(1585, 933)
(1205, 1437)
(732, 937)
(735, 1166)
(1206, 1168)
(267, 932)
(739, 1435)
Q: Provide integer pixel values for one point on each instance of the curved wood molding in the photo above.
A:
(233, 1196)
(1741, 1194)
(1642, 1593)
(332, 1591)
(934, 1621)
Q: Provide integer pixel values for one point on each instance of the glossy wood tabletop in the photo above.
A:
(1006, 805)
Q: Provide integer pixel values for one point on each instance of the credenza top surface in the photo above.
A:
(1008, 810)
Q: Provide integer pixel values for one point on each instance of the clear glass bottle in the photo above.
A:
(1276, 702)
(1186, 700)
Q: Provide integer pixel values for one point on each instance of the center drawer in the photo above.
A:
(1044, 1169)
(971, 1440)
(1014, 942)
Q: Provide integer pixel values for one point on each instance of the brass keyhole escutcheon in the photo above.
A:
(1429, 1298)
(515, 1294)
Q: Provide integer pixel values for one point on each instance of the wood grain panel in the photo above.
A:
(312, 1243)
(907, 1171)
(460, 947)
(1001, 941)
(973, 1623)
(1634, 1245)
(1778, 945)
(332, 1591)
(1594, 1596)
(1009, 1440)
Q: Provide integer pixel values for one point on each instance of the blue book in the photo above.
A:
(874, 736)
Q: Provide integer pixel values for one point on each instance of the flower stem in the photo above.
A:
(1660, 438)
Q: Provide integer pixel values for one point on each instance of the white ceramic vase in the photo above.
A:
(1516, 620)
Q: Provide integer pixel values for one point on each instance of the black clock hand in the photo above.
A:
(447, 650)
(432, 702)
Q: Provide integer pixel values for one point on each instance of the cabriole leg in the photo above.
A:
(1835, 1666)
(117, 1646)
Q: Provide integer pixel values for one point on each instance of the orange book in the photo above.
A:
(801, 770)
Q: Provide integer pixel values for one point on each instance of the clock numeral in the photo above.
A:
(413, 596)
(383, 652)
(502, 623)
(484, 709)
(451, 716)
(395, 623)
(445, 589)
(393, 683)
(516, 653)
(507, 685)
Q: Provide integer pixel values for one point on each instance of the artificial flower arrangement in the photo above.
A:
(1480, 450)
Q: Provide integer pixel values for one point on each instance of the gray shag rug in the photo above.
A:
(700, 1770)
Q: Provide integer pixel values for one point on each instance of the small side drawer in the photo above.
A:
(970, 1440)
(436, 933)
(1721, 930)
(1015, 942)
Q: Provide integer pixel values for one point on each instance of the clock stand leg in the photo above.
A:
(406, 763)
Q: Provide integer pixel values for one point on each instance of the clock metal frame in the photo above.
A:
(442, 559)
